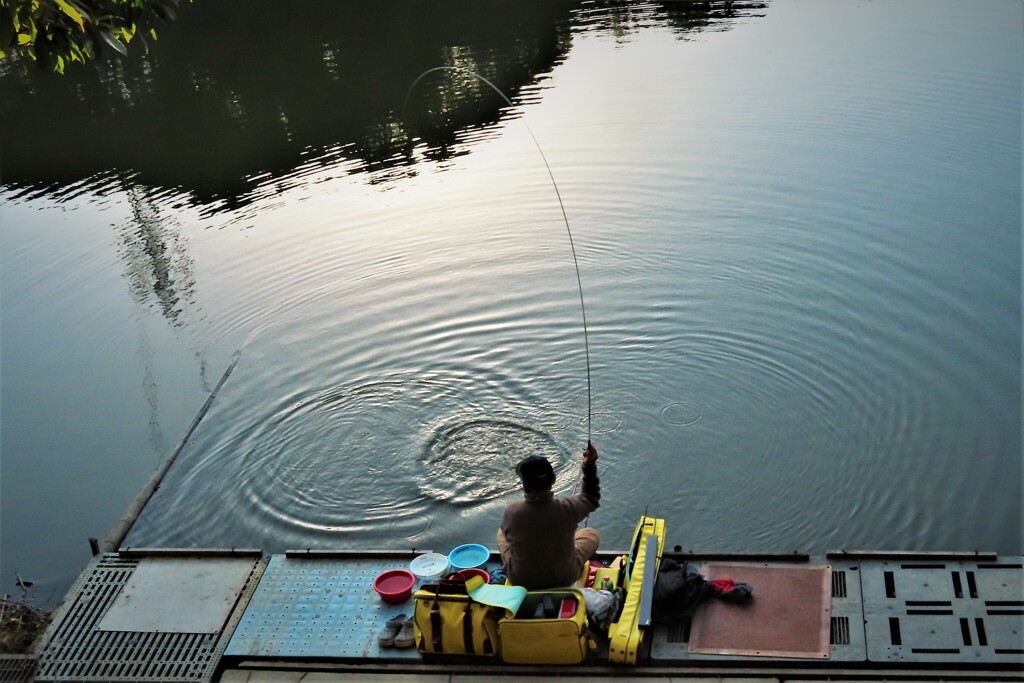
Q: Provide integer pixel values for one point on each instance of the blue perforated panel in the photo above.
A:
(312, 608)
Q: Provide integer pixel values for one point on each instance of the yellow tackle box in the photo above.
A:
(550, 627)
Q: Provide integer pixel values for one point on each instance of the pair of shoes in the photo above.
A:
(405, 637)
(398, 632)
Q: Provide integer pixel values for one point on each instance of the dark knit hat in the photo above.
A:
(535, 471)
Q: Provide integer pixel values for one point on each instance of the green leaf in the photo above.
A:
(24, 39)
(113, 42)
(152, 32)
(71, 12)
(126, 33)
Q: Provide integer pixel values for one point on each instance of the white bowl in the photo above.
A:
(429, 566)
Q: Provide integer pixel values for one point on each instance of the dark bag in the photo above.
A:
(678, 590)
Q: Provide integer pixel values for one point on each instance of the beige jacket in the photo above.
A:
(539, 530)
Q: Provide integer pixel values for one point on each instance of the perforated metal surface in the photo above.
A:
(75, 649)
(846, 632)
(943, 612)
(318, 608)
(16, 668)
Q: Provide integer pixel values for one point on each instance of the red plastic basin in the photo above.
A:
(395, 585)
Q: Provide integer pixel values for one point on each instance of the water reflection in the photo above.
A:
(223, 118)
(157, 264)
(160, 274)
(624, 19)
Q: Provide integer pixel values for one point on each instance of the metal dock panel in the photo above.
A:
(318, 608)
(788, 617)
(944, 611)
(76, 648)
(846, 632)
(17, 668)
(178, 595)
(670, 643)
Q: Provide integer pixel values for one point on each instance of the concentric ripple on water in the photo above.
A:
(681, 414)
(474, 460)
(335, 459)
(358, 458)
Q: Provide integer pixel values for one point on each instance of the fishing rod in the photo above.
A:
(565, 218)
(114, 538)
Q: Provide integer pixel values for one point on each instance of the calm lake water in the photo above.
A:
(798, 227)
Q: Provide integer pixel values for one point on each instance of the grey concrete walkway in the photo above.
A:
(322, 677)
(241, 676)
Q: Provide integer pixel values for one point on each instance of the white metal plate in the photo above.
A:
(178, 595)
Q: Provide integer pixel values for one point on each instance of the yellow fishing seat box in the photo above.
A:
(626, 636)
(550, 627)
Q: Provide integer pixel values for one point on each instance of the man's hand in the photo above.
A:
(589, 455)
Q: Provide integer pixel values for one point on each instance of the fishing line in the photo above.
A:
(565, 218)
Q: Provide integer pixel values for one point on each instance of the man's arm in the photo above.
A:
(591, 482)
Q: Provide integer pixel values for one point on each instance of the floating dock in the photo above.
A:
(241, 616)
(238, 615)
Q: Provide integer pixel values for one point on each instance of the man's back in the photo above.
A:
(538, 539)
(540, 530)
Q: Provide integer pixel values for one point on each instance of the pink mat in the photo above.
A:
(788, 616)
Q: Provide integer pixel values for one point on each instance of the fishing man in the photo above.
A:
(538, 540)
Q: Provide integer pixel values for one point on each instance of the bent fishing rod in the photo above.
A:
(558, 194)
